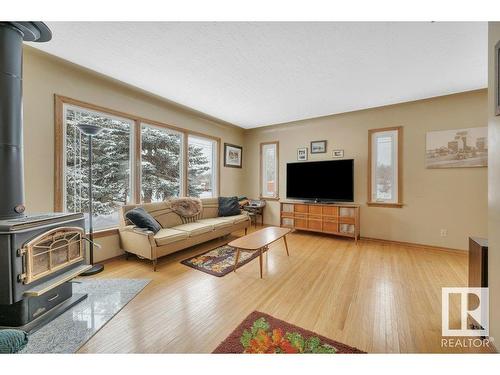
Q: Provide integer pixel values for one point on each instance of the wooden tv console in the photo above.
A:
(339, 219)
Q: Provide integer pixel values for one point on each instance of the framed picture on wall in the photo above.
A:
(458, 148)
(318, 147)
(338, 153)
(233, 156)
(497, 79)
(302, 154)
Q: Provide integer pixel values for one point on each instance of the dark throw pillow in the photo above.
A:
(139, 217)
(229, 206)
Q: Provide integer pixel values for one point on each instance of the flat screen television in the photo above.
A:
(327, 181)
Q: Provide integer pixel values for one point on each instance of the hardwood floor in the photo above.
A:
(377, 297)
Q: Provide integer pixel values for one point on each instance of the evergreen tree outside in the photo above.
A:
(200, 167)
(161, 159)
(160, 164)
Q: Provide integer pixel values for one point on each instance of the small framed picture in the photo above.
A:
(338, 153)
(318, 147)
(233, 156)
(302, 154)
(497, 79)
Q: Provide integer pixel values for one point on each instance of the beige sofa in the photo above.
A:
(177, 233)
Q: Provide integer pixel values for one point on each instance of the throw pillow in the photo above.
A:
(141, 218)
(12, 340)
(229, 206)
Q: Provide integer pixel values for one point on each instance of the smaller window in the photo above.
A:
(385, 165)
(202, 167)
(269, 170)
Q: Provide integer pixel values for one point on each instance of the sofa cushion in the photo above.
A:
(169, 235)
(194, 229)
(229, 206)
(217, 223)
(139, 217)
(239, 218)
(210, 208)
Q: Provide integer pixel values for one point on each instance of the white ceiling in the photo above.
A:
(255, 74)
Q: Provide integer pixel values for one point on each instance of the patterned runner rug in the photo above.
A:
(262, 333)
(219, 261)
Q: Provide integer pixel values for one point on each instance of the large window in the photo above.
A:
(385, 166)
(112, 173)
(269, 171)
(135, 160)
(161, 163)
(202, 168)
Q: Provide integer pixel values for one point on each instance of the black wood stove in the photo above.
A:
(39, 254)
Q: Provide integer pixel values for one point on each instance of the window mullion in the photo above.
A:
(185, 164)
(136, 165)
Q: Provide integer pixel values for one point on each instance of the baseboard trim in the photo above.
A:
(417, 245)
(108, 260)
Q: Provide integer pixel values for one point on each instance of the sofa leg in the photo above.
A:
(246, 231)
(155, 262)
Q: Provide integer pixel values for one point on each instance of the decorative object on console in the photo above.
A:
(457, 148)
(263, 333)
(318, 147)
(219, 261)
(497, 79)
(91, 130)
(229, 206)
(233, 156)
(338, 153)
(142, 219)
(302, 154)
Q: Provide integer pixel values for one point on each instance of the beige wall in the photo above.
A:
(452, 199)
(493, 190)
(45, 76)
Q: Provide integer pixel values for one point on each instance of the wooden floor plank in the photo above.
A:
(376, 296)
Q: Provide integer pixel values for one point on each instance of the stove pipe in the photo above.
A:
(12, 35)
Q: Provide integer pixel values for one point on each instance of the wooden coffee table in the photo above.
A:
(258, 241)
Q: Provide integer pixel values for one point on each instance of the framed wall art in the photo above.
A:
(338, 153)
(318, 147)
(302, 154)
(233, 156)
(458, 148)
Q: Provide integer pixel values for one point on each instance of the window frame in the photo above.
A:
(399, 169)
(135, 151)
(261, 170)
(215, 165)
(131, 177)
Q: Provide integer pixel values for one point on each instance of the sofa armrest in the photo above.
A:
(137, 230)
(138, 241)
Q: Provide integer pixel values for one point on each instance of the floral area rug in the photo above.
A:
(219, 261)
(261, 333)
